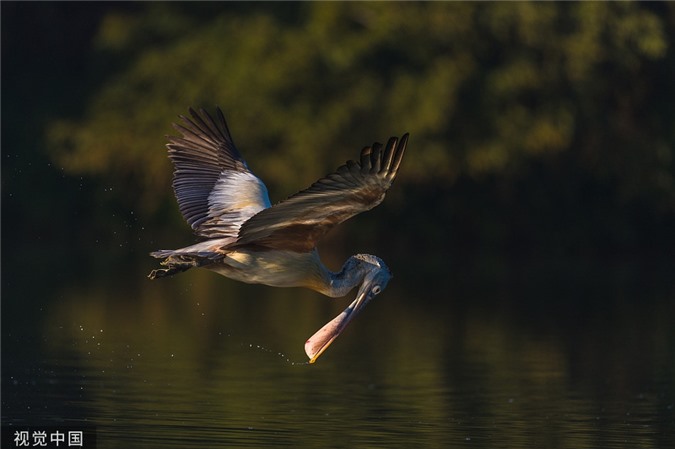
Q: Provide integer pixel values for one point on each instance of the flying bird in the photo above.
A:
(246, 238)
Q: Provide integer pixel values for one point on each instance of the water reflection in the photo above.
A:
(199, 361)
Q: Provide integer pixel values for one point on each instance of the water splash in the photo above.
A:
(277, 353)
(261, 348)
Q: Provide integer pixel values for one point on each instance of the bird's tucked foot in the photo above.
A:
(175, 264)
(163, 272)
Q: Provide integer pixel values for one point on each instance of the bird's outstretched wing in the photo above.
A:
(216, 191)
(297, 223)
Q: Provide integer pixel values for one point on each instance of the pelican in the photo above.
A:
(247, 239)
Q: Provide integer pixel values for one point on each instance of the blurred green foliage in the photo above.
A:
(503, 94)
(483, 88)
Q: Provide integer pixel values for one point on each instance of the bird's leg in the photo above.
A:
(175, 264)
(163, 272)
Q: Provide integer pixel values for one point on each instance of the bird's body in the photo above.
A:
(249, 240)
(275, 268)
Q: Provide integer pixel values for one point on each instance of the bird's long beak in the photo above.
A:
(320, 341)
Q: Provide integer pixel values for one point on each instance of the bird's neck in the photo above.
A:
(340, 283)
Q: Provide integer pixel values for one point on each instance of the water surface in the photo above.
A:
(502, 354)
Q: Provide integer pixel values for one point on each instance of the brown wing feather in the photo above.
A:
(300, 221)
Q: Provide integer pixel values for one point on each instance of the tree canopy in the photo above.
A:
(486, 90)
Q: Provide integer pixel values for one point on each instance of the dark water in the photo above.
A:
(500, 353)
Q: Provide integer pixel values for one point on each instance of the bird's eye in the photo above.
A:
(376, 290)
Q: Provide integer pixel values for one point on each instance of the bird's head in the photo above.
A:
(375, 276)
